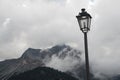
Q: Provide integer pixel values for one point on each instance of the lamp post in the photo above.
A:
(84, 20)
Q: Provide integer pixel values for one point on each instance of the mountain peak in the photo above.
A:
(57, 48)
(32, 49)
(61, 45)
(30, 52)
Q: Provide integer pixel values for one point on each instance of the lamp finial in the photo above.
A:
(83, 9)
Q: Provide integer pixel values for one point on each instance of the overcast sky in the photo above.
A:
(44, 23)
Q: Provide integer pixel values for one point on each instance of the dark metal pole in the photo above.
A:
(86, 57)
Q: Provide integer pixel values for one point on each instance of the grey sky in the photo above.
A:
(44, 23)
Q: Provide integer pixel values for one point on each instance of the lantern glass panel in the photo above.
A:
(83, 23)
(89, 23)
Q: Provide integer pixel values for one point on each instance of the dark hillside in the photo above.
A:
(42, 73)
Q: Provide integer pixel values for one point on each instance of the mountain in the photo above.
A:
(33, 58)
(42, 73)
(26, 62)
(61, 57)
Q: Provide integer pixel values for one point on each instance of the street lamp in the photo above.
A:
(84, 20)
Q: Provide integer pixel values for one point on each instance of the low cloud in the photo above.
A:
(65, 60)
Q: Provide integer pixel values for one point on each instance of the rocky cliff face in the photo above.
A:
(16, 66)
